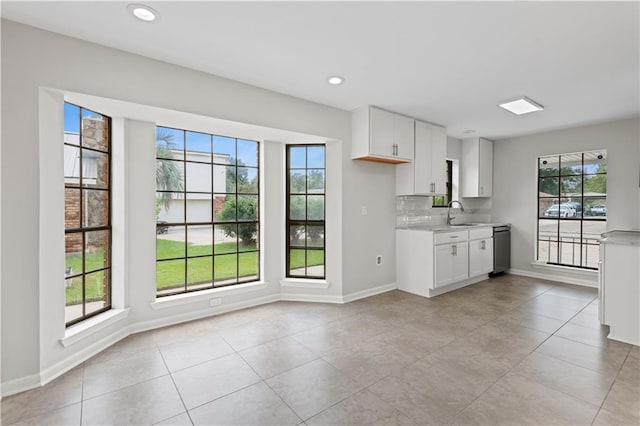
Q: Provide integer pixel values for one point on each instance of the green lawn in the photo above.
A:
(170, 273)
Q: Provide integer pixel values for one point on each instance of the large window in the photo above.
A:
(87, 208)
(572, 208)
(305, 257)
(207, 211)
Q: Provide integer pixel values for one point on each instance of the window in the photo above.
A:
(572, 208)
(207, 211)
(305, 252)
(443, 200)
(87, 213)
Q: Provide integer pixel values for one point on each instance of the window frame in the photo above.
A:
(306, 222)
(558, 201)
(186, 224)
(83, 230)
(449, 185)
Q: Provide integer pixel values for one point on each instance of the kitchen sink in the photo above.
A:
(463, 224)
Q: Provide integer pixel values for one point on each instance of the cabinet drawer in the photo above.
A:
(451, 237)
(477, 234)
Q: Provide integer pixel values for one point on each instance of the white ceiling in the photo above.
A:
(445, 62)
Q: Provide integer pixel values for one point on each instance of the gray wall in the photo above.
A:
(33, 59)
(514, 179)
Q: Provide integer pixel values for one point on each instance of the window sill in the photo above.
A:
(186, 298)
(86, 328)
(304, 283)
(577, 271)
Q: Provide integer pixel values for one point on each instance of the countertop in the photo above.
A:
(629, 238)
(446, 228)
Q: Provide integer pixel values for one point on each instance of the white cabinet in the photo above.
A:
(476, 168)
(451, 258)
(430, 263)
(427, 174)
(381, 136)
(619, 276)
(480, 256)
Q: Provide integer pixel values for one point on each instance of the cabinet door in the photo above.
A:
(439, 160)
(461, 262)
(476, 258)
(487, 262)
(443, 265)
(403, 136)
(486, 168)
(422, 161)
(381, 131)
(480, 257)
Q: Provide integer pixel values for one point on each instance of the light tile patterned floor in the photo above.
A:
(510, 350)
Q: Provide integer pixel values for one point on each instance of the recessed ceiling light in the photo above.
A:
(335, 80)
(143, 12)
(521, 105)
(468, 132)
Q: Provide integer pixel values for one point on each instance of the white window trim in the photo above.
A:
(92, 325)
(304, 283)
(196, 296)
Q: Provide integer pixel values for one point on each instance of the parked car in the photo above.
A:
(559, 210)
(575, 206)
(598, 210)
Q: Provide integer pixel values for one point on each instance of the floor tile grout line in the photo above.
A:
(611, 385)
(82, 396)
(175, 386)
(504, 375)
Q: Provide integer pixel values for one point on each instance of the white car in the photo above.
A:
(559, 210)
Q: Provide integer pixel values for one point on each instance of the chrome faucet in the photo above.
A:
(449, 210)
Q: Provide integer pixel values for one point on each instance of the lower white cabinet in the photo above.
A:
(451, 263)
(480, 256)
(429, 263)
(619, 276)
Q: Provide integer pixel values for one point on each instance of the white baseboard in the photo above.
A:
(553, 277)
(312, 298)
(369, 292)
(56, 370)
(456, 286)
(202, 313)
(21, 384)
(50, 373)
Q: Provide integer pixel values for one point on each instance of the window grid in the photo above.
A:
(582, 213)
(81, 187)
(295, 270)
(443, 200)
(189, 282)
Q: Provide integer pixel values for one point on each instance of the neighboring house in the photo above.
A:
(197, 179)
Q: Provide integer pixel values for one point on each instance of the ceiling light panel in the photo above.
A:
(521, 105)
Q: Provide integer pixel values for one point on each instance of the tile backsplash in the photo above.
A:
(417, 210)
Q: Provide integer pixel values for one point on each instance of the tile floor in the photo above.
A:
(510, 350)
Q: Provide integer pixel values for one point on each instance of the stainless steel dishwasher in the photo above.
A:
(501, 249)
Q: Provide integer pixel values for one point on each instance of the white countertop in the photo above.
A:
(630, 238)
(446, 228)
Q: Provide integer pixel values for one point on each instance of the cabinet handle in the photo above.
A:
(483, 244)
(433, 187)
(453, 236)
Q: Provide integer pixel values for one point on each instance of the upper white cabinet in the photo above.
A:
(381, 136)
(427, 175)
(477, 167)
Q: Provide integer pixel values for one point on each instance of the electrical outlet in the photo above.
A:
(364, 210)
(379, 260)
